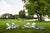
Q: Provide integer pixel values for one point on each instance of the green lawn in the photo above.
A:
(3, 27)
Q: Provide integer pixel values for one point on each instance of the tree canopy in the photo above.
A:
(22, 14)
(40, 7)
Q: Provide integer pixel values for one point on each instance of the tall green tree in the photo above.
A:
(40, 7)
(22, 14)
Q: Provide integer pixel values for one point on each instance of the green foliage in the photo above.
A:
(48, 1)
(34, 5)
(7, 16)
(48, 12)
(39, 7)
(15, 16)
(22, 14)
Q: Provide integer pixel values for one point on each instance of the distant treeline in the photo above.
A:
(22, 14)
(10, 16)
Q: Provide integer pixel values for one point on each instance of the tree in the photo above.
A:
(15, 16)
(40, 7)
(48, 12)
(22, 14)
(7, 16)
(48, 1)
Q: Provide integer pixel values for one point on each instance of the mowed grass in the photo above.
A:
(3, 26)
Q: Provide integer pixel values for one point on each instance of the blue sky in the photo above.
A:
(11, 6)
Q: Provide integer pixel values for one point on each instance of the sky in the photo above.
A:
(11, 6)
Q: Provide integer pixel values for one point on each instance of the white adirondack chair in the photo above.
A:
(33, 25)
(13, 25)
(8, 26)
(27, 25)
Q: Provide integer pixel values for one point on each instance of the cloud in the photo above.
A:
(11, 6)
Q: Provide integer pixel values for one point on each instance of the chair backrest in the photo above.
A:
(27, 24)
(13, 24)
(8, 24)
(33, 24)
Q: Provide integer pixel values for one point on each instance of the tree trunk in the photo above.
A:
(40, 18)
